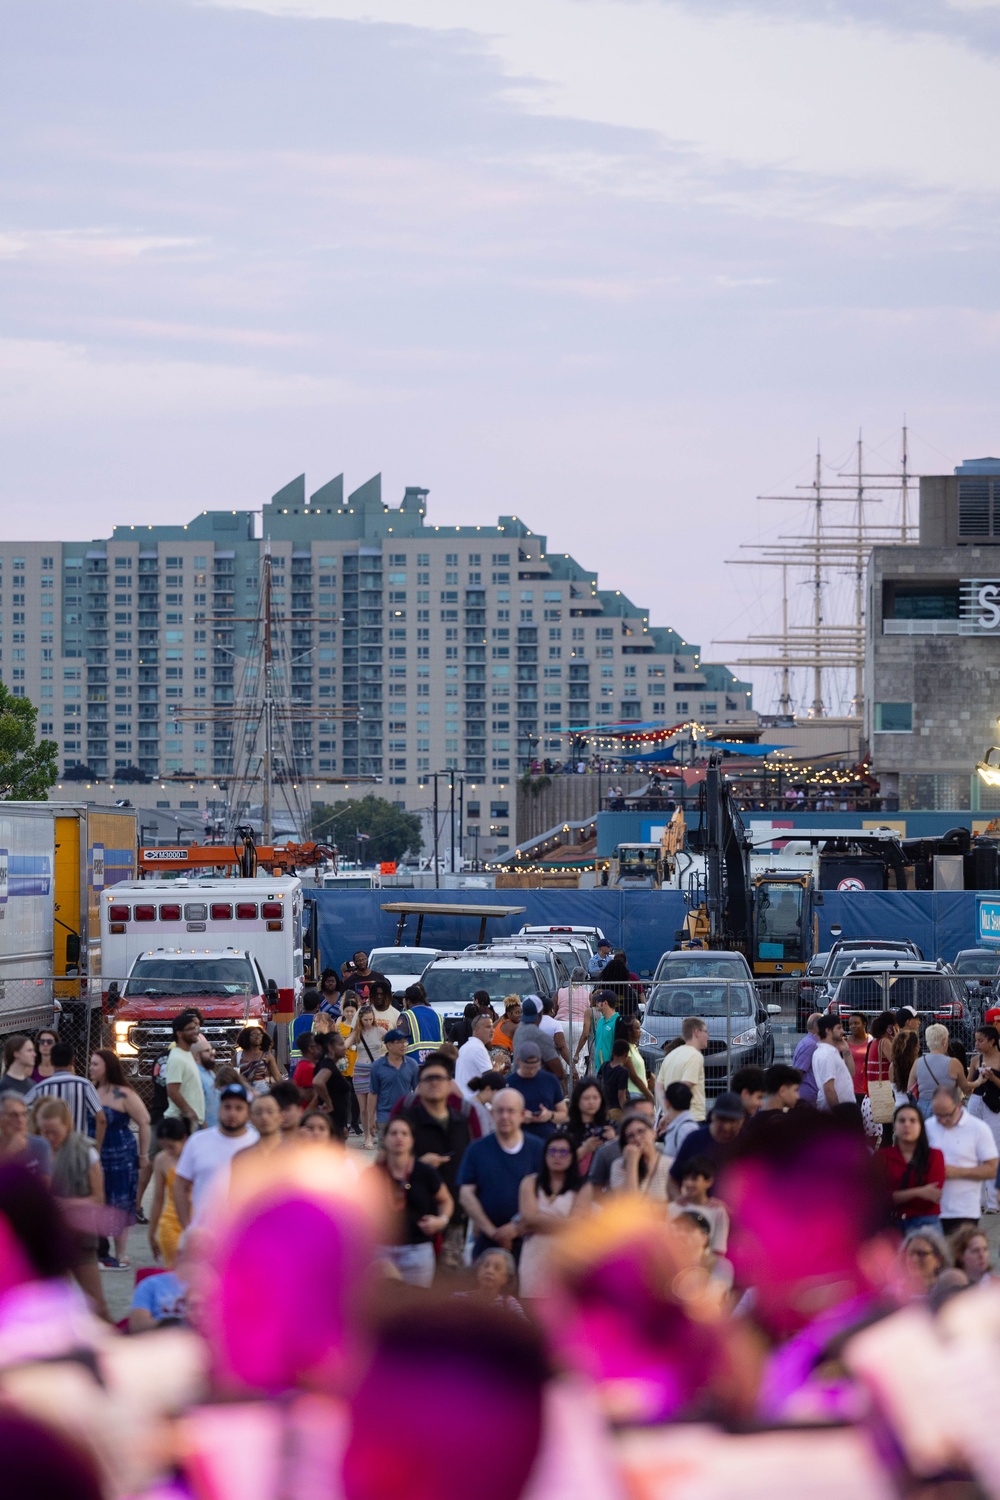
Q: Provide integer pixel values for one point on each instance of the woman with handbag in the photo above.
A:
(878, 1071)
(935, 1070)
(984, 1103)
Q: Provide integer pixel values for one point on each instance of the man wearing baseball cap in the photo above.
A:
(393, 1075)
(208, 1152)
(713, 1140)
(529, 1032)
(543, 1094)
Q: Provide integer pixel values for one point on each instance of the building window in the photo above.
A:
(894, 718)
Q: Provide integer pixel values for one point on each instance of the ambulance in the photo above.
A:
(232, 949)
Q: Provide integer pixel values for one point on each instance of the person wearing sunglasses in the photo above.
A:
(545, 1201)
(44, 1042)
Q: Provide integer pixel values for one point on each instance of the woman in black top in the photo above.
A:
(333, 1088)
(420, 1205)
(588, 1121)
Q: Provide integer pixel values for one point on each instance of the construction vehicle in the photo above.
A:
(650, 865)
(243, 857)
(771, 915)
(231, 948)
(636, 867)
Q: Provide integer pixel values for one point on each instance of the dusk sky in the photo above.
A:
(609, 265)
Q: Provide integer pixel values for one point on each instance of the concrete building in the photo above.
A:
(932, 668)
(470, 648)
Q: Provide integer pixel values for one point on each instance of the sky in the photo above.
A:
(613, 266)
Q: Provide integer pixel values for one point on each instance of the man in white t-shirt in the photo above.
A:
(473, 1056)
(183, 1076)
(552, 1026)
(207, 1152)
(970, 1157)
(686, 1064)
(834, 1079)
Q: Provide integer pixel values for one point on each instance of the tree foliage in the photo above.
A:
(391, 833)
(27, 770)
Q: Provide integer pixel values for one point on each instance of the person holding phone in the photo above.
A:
(544, 1101)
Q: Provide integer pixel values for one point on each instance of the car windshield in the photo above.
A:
(922, 991)
(688, 966)
(978, 963)
(401, 962)
(700, 999)
(153, 977)
(451, 984)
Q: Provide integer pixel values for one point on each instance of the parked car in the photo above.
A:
(810, 988)
(542, 954)
(401, 966)
(933, 990)
(738, 1021)
(591, 935)
(574, 950)
(980, 968)
(838, 964)
(452, 979)
(702, 963)
(889, 945)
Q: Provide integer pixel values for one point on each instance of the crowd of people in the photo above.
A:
(674, 1256)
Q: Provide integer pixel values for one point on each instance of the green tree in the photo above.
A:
(391, 833)
(27, 770)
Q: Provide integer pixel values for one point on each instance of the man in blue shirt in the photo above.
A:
(542, 1092)
(600, 958)
(803, 1056)
(492, 1170)
(393, 1076)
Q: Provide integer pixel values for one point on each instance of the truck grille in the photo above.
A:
(152, 1040)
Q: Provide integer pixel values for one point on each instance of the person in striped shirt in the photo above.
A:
(78, 1093)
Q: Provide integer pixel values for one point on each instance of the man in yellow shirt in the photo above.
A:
(685, 1063)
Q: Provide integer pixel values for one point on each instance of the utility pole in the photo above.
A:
(451, 822)
(437, 867)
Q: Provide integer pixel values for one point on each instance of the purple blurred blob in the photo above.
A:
(270, 1257)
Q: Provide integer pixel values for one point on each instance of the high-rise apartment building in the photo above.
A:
(475, 648)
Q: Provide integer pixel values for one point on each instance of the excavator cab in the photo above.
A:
(784, 936)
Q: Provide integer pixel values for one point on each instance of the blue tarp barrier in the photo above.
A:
(939, 922)
(641, 922)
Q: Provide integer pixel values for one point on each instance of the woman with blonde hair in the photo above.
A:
(935, 1070)
(502, 1042)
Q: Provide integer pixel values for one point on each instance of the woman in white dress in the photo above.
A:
(547, 1198)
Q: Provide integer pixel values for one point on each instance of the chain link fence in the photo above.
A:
(28, 1004)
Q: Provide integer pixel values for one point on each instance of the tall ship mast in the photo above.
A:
(263, 718)
(826, 647)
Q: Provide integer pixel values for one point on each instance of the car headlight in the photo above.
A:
(646, 1039)
(745, 1038)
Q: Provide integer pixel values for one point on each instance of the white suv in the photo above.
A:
(453, 978)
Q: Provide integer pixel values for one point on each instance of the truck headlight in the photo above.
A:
(123, 1046)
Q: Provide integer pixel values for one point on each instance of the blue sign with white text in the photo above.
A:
(988, 923)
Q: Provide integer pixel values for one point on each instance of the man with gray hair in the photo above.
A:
(803, 1056)
(970, 1156)
(493, 1168)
